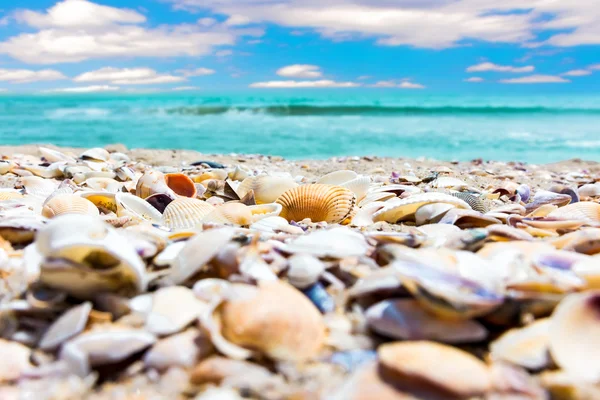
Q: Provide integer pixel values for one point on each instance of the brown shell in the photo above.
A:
(231, 213)
(185, 212)
(181, 184)
(275, 319)
(69, 204)
(332, 204)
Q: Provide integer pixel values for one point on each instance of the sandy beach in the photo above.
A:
(173, 274)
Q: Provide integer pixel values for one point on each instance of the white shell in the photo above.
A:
(304, 270)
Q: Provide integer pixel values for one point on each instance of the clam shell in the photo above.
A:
(584, 210)
(95, 154)
(68, 325)
(185, 213)
(337, 177)
(132, 206)
(338, 242)
(430, 213)
(265, 211)
(526, 347)
(238, 174)
(230, 213)
(466, 219)
(267, 189)
(589, 190)
(304, 270)
(181, 184)
(160, 201)
(402, 209)
(108, 184)
(275, 225)
(217, 174)
(69, 204)
(574, 335)
(10, 194)
(450, 183)
(104, 201)
(152, 182)
(260, 319)
(39, 187)
(52, 155)
(455, 373)
(332, 204)
(543, 197)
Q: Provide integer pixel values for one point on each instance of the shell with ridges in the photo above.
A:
(185, 213)
(69, 204)
(231, 213)
(332, 204)
(266, 188)
(400, 209)
(583, 210)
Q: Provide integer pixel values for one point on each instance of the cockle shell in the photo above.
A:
(584, 210)
(266, 188)
(36, 186)
(69, 204)
(401, 209)
(152, 182)
(181, 184)
(455, 372)
(230, 213)
(526, 347)
(260, 318)
(337, 177)
(332, 204)
(184, 213)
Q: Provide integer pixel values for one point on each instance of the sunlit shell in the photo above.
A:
(526, 347)
(230, 213)
(265, 211)
(562, 189)
(467, 219)
(430, 213)
(401, 209)
(590, 190)
(36, 186)
(10, 194)
(472, 200)
(332, 204)
(181, 184)
(16, 361)
(69, 204)
(338, 242)
(217, 174)
(185, 213)
(450, 183)
(575, 333)
(364, 215)
(406, 319)
(140, 210)
(21, 229)
(266, 188)
(453, 372)
(275, 225)
(510, 209)
(585, 210)
(95, 154)
(359, 185)
(337, 177)
(238, 174)
(51, 171)
(182, 350)
(499, 232)
(543, 197)
(152, 182)
(260, 319)
(104, 201)
(52, 155)
(107, 184)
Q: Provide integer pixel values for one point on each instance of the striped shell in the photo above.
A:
(231, 213)
(150, 183)
(181, 184)
(402, 209)
(69, 204)
(584, 210)
(332, 204)
(10, 194)
(473, 200)
(266, 188)
(185, 213)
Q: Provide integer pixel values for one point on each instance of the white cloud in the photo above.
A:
(474, 79)
(127, 76)
(223, 53)
(410, 85)
(84, 89)
(196, 72)
(237, 20)
(403, 84)
(77, 30)
(305, 71)
(185, 88)
(207, 22)
(577, 72)
(27, 76)
(304, 84)
(488, 66)
(594, 67)
(536, 79)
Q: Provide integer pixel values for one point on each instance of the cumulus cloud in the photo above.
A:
(77, 30)
(223, 53)
(27, 76)
(185, 88)
(474, 79)
(304, 84)
(84, 89)
(488, 66)
(196, 72)
(127, 76)
(404, 84)
(304, 71)
(594, 67)
(578, 72)
(536, 79)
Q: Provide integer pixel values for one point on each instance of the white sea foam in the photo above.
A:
(62, 113)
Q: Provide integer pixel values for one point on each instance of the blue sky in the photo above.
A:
(435, 46)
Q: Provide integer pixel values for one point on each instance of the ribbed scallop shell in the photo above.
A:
(584, 210)
(150, 183)
(400, 209)
(473, 200)
(266, 188)
(231, 213)
(332, 204)
(185, 213)
(10, 194)
(181, 184)
(69, 204)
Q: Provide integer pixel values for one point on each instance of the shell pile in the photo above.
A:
(125, 280)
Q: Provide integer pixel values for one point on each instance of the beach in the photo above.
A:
(155, 274)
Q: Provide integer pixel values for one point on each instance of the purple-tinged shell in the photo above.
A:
(524, 192)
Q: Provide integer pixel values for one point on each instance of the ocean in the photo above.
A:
(315, 124)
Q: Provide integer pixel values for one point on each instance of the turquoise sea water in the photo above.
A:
(315, 124)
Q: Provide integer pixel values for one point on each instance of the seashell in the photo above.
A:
(499, 232)
(366, 383)
(104, 201)
(181, 184)
(51, 171)
(364, 215)
(98, 348)
(95, 154)
(332, 204)
(52, 155)
(566, 190)
(82, 256)
(231, 373)
(183, 350)
(265, 211)
(337, 177)
(430, 213)
(81, 178)
(275, 225)
(542, 211)
(21, 229)
(18, 357)
(304, 270)
(6, 167)
(125, 174)
(259, 318)
(524, 192)
(402, 209)
(376, 197)
(543, 197)
(456, 373)
(267, 189)
(184, 213)
(338, 242)
(37, 186)
(405, 319)
(397, 189)
(160, 201)
(526, 347)
(230, 213)
(68, 325)
(574, 329)
(589, 190)
(319, 296)
(139, 210)
(467, 219)
(472, 200)
(217, 174)
(152, 182)
(108, 184)
(10, 194)
(120, 157)
(509, 209)
(43, 298)
(238, 174)
(448, 182)
(69, 204)
(359, 186)
(585, 210)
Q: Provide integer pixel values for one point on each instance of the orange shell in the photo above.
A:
(319, 202)
(181, 184)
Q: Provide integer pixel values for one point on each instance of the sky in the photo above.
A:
(81, 46)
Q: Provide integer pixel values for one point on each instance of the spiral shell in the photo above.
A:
(332, 204)
(185, 213)
(181, 184)
(231, 213)
(150, 183)
(69, 204)
(266, 188)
